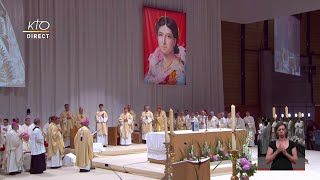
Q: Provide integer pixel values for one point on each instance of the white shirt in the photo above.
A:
(250, 121)
(222, 122)
(4, 130)
(37, 142)
(213, 122)
(31, 127)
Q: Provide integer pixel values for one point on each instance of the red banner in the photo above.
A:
(164, 47)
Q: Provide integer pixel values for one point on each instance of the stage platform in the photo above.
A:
(117, 150)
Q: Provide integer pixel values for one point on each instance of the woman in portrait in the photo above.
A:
(282, 152)
(167, 62)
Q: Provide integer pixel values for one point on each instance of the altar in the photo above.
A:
(185, 139)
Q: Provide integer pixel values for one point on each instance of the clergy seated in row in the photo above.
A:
(38, 157)
(202, 118)
(26, 146)
(159, 119)
(55, 144)
(181, 122)
(212, 121)
(125, 121)
(101, 120)
(146, 122)
(14, 151)
(66, 123)
(83, 143)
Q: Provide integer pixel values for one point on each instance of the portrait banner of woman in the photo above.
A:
(164, 47)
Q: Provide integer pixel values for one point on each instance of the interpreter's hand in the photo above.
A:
(281, 148)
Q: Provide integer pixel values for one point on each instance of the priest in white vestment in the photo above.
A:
(83, 143)
(212, 121)
(55, 144)
(202, 118)
(134, 116)
(250, 126)
(26, 146)
(38, 157)
(14, 153)
(45, 128)
(25, 126)
(229, 120)
(146, 122)
(192, 118)
(222, 122)
(125, 120)
(101, 120)
(239, 122)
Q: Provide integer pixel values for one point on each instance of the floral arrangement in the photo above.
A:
(245, 168)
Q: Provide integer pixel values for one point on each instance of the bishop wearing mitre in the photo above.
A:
(80, 117)
(55, 144)
(146, 122)
(101, 120)
(126, 121)
(66, 123)
(83, 143)
(160, 117)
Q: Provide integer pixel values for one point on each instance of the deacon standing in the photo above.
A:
(101, 120)
(134, 122)
(250, 127)
(14, 150)
(80, 118)
(38, 157)
(125, 120)
(55, 144)
(67, 120)
(146, 122)
(83, 143)
(160, 117)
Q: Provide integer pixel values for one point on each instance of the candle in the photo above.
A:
(233, 117)
(286, 111)
(171, 121)
(273, 112)
(295, 115)
(166, 130)
(300, 115)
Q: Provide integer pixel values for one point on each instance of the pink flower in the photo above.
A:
(246, 167)
(215, 157)
(244, 161)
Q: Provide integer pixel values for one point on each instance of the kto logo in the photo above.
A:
(38, 29)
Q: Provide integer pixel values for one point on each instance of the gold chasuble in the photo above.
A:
(67, 122)
(159, 121)
(79, 120)
(83, 142)
(134, 119)
(125, 128)
(102, 122)
(181, 121)
(146, 123)
(55, 141)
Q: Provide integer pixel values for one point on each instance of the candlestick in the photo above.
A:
(171, 121)
(273, 112)
(233, 117)
(166, 130)
(286, 111)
